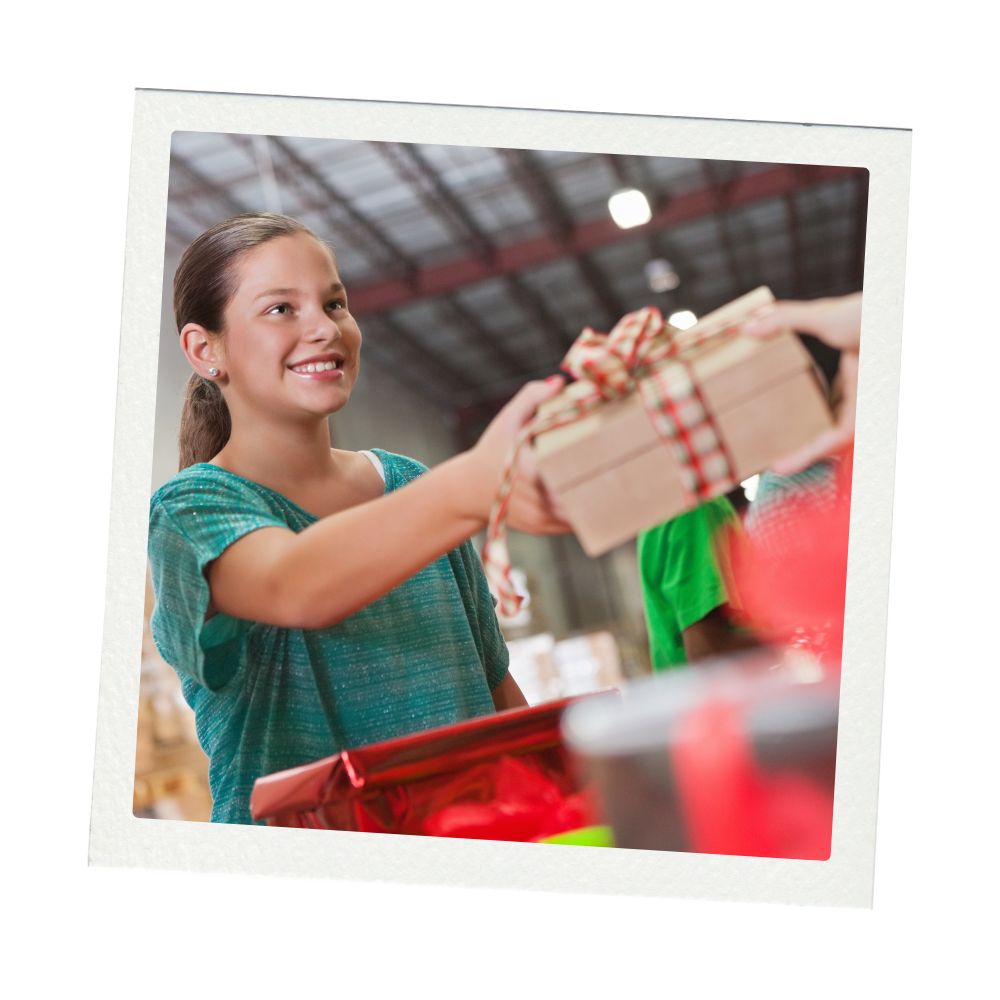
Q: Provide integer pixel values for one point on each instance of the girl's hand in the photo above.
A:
(531, 509)
(837, 322)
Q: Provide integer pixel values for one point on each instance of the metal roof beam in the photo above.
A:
(206, 188)
(484, 340)
(426, 359)
(720, 190)
(423, 387)
(440, 201)
(601, 289)
(538, 310)
(411, 166)
(658, 244)
(544, 195)
(540, 191)
(584, 237)
(794, 242)
(388, 254)
(488, 189)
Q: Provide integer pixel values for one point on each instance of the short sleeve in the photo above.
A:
(193, 521)
(691, 574)
(681, 578)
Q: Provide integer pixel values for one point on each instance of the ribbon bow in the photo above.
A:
(641, 354)
(612, 363)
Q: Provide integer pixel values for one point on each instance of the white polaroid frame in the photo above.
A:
(119, 838)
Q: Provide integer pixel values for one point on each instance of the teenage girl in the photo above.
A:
(314, 599)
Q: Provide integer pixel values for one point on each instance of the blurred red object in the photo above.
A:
(790, 583)
(734, 756)
(500, 777)
(731, 806)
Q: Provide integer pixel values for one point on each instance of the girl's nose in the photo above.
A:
(325, 328)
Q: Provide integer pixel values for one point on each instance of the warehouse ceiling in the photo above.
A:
(472, 269)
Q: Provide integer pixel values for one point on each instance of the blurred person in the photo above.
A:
(819, 471)
(313, 599)
(790, 565)
(686, 581)
(684, 590)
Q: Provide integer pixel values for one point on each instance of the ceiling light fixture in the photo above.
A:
(661, 276)
(629, 208)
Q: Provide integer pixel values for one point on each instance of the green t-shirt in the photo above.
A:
(428, 653)
(681, 581)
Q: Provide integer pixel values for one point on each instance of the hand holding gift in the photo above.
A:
(529, 506)
(837, 322)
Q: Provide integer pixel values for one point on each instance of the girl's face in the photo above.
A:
(291, 347)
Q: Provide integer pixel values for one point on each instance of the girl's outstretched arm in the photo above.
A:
(343, 562)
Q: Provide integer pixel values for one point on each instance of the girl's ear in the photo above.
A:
(201, 348)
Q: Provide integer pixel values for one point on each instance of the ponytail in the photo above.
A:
(205, 422)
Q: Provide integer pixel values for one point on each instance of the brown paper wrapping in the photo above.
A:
(615, 476)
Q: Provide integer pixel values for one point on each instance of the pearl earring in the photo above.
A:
(213, 372)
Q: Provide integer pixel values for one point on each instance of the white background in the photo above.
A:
(68, 81)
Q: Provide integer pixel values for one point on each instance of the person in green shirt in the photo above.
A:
(681, 566)
(683, 587)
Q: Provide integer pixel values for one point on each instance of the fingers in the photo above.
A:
(768, 320)
(543, 528)
(533, 511)
(539, 503)
(827, 444)
(836, 321)
(493, 449)
(522, 407)
(535, 523)
(557, 508)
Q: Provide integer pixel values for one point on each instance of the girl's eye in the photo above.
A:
(337, 304)
(283, 306)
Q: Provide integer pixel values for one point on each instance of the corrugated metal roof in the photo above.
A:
(505, 255)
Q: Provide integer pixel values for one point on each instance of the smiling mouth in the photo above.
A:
(318, 367)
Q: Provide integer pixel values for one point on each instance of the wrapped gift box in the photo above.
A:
(501, 777)
(615, 472)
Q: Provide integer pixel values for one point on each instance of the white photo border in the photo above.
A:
(118, 838)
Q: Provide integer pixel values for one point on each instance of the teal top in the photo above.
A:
(428, 653)
(770, 518)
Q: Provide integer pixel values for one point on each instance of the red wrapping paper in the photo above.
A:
(500, 777)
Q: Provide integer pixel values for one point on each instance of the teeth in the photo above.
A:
(320, 366)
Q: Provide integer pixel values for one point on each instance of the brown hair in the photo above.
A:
(203, 286)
